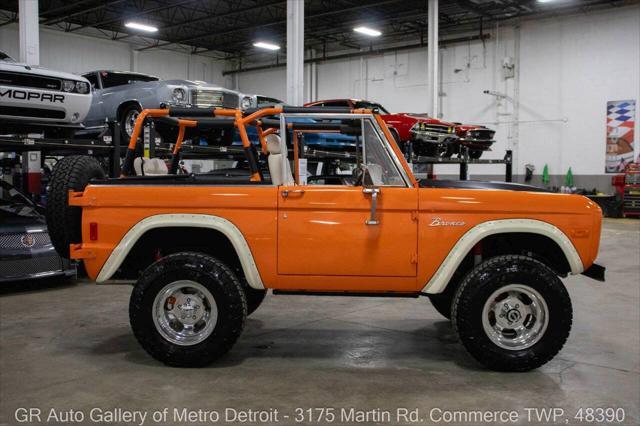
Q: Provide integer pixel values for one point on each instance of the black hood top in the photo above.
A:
(477, 184)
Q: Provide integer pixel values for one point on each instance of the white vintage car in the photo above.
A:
(35, 99)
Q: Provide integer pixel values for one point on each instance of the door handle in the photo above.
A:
(374, 203)
(286, 192)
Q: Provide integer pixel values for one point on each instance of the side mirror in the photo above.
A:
(367, 179)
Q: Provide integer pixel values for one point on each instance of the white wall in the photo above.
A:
(78, 53)
(567, 70)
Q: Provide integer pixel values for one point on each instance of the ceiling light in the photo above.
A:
(265, 45)
(367, 31)
(141, 27)
(545, 1)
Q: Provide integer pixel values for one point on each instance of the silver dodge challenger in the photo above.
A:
(121, 95)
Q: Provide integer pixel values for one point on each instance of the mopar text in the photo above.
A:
(29, 96)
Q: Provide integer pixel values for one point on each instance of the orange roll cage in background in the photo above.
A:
(240, 122)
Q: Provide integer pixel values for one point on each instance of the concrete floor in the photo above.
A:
(70, 347)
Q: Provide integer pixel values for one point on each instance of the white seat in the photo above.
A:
(150, 167)
(276, 160)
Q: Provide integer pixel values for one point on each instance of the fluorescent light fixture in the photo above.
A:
(141, 27)
(265, 45)
(545, 1)
(367, 31)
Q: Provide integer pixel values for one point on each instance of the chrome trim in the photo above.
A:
(375, 192)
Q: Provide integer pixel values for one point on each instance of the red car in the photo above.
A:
(430, 136)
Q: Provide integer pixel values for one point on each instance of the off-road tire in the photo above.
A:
(65, 222)
(488, 277)
(254, 298)
(218, 279)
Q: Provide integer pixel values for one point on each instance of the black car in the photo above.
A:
(26, 251)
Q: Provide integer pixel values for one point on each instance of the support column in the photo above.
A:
(314, 77)
(29, 32)
(134, 59)
(432, 58)
(295, 52)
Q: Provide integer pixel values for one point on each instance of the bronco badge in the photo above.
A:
(436, 221)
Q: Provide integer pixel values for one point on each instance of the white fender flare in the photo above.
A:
(120, 252)
(443, 275)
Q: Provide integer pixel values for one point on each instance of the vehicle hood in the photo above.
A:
(14, 224)
(471, 184)
(424, 117)
(37, 70)
(191, 83)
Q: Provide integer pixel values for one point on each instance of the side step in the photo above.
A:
(345, 293)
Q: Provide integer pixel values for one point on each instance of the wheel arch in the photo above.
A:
(545, 235)
(214, 226)
(124, 105)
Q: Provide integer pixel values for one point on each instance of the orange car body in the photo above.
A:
(314, 237)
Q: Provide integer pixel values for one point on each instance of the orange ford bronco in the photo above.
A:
(203, 249)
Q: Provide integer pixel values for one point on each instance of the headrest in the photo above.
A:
(273, 143)
(150, 167)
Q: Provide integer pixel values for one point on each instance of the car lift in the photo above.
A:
(109, 145)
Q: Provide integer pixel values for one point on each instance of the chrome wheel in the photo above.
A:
(515, 317)
(130, 121)
(185, 312)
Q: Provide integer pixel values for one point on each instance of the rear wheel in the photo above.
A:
(71, 173)
(512, 313)
(187, 309)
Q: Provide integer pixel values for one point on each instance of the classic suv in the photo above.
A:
(35, 99)
(121, 95)
(204, 249)
(430, 136)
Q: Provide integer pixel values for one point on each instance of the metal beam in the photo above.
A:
(359, 54)
(59, 19)
(65, 8)
(270, 24)
(133, 15)
(471, 7)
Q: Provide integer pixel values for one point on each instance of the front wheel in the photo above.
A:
(187, 309)
(128, 118)
(475, 154)
(512, 313)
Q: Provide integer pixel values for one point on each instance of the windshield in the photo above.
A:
(264, 101)
(14, 203)
(6, 58)
(113, 79)
(372, 105)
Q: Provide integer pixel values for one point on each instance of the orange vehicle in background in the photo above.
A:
(204, 249)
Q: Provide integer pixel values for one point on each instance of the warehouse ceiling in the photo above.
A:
(227, 29)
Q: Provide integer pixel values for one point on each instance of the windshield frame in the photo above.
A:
(6, 58)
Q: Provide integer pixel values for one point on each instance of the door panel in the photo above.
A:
(322, 231)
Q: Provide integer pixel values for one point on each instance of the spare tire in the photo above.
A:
(72, 173)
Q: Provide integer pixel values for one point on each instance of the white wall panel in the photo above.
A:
(77, 53)
(569, 67)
